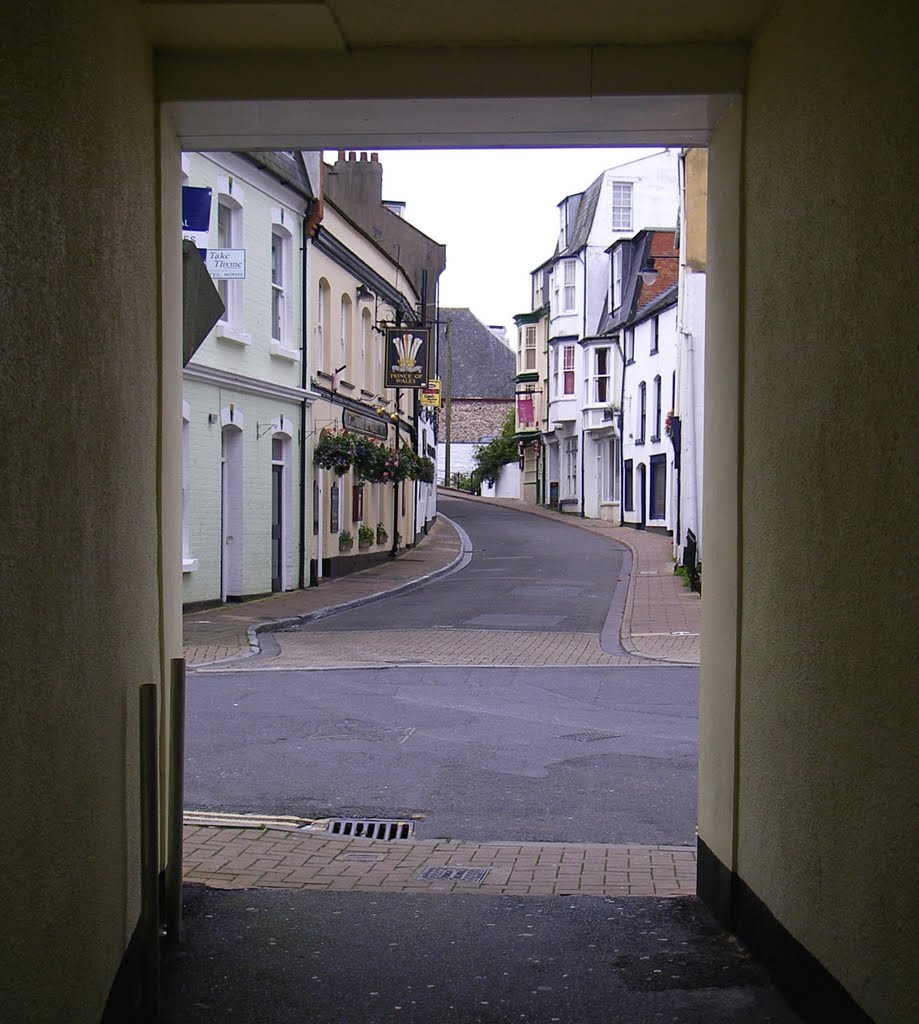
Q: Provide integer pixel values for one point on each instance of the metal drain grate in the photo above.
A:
(367, 828)
(477, 875)
(590, 737)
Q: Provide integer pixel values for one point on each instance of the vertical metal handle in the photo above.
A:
(149, 853)
(176, 800)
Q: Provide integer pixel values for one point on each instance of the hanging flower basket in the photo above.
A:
(369, 459)
(345, 541)
(425, 469)
(382, 535)
(334, 450)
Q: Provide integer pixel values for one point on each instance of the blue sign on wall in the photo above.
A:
(196, 208)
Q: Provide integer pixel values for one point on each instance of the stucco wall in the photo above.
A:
(78, 509)
(828, 722)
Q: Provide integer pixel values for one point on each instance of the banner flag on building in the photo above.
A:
(406, 362)
(525, 414)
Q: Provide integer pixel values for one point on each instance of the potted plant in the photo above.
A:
(365, 536)
(382, 535)
(610, 410)
(345, 541)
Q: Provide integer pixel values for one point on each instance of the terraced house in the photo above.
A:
(245, 409)
(363, 510)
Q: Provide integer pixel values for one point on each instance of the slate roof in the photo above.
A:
(288, 168)
(481, 366)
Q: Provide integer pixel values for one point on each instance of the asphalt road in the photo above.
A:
(526, 573)
(267, 957)
(553, 754)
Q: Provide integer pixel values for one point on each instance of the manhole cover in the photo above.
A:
(453, 874)
(590, 737)
(365, 828)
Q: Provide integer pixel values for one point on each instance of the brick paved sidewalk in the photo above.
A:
(226, 632)
(662, 617)
(288, 858)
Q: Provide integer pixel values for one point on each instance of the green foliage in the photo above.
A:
(489, 458)
(341, 450)
(366, 535)
(345, 541)
(462, 482)
(334, 450)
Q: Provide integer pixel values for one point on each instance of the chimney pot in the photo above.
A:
(363, 158)
(341, 154)
(352, 155)
(375, 158)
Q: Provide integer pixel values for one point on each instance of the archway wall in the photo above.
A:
(79, 506)
(826, 707)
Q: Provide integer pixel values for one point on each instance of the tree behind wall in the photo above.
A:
(489, 458)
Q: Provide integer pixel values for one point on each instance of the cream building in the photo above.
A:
(245, 408)
(808, 710)
(357, 290)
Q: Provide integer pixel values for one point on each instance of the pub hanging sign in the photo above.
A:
(407, 351)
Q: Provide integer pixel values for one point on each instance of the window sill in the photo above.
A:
(639, 440)
(189, 564)
(277, 350)
(226, 332)
(656, 440)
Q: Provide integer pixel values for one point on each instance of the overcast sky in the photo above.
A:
(495, 210)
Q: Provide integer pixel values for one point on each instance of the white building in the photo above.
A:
(245, 406)
(689, 410)
(584, 382)
(642, 323)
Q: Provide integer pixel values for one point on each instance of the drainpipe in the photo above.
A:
(622, 430)
(304, 379)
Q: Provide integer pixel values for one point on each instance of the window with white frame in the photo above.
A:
(323, 335)
(280, 246)
(366, 377)
(529, 347)
(629, 343)
(657, 409)
(570, 466)
(344, 337)
(568, 370)
(568, 296)
(617, 277)
(602, 393)
(655, 335)
(642, 413)
(622, 206)
(230, 236)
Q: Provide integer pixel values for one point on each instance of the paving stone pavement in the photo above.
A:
(231, 857)
(453, 647)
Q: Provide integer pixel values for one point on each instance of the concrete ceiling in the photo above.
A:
(405, 74)
(339, 25)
